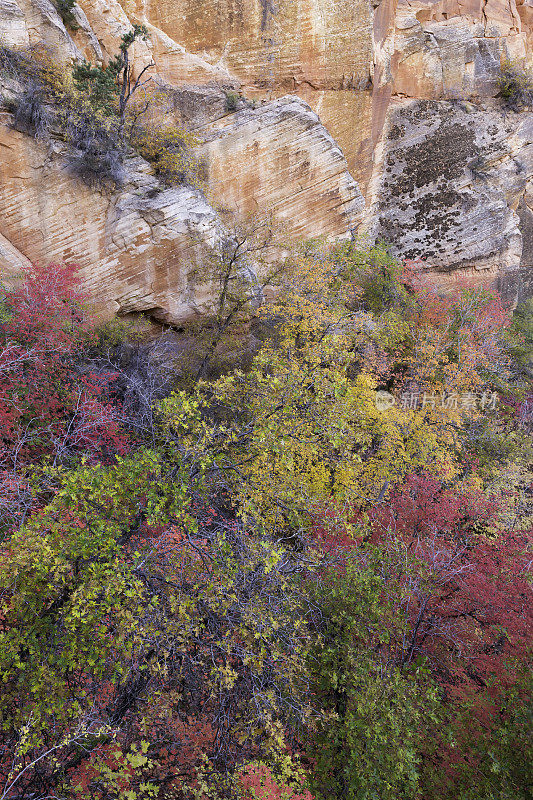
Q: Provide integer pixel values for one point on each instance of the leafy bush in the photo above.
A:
(375, 270)
(170, 152)
(521, 333)
(232, 101)
(271, 568)
(516, 86)
(368, 742)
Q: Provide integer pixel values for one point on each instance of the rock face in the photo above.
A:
(390, 100)
(271, 43)
(452, 167)
(136, 249)
(453, 179)
(141, 248)
(279, 158)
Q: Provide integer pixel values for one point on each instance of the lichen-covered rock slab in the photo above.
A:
(452, 179)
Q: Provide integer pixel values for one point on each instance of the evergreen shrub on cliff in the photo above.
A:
(104, 113)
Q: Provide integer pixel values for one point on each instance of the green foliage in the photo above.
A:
(491, 753)
(367, 744)
(107, 591)
(303, 420)
(104, 86)
(63, 575)
(5, 310)
(117, 332)
(375, 270)
(521, 333)
(99, 84)
(116, 773)
(65, 8)
(516, 86)
(232, 101)
(176, 622)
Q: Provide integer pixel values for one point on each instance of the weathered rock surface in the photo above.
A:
(453, 179)
(427, 194)
(278, 158)
(140, 249)
(137, 249)
(277, 44)
(411, 141)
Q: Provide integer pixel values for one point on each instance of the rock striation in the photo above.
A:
(280, 159)
(137, 249)
(336, 103)
(142, 248)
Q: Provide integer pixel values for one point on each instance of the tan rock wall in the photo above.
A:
(280, 159)
(136, 248)
(271, 43)
(142, 248)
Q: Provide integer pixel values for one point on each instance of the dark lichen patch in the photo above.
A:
(396, 132)
(443, 155)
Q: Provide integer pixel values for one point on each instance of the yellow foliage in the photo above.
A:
(303, 425)
(170, 151)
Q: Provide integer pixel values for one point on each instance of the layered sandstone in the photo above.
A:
(445, 170)
(452, 166)
(137, 249)
(276, 44)
(279, 159)
(142, 248)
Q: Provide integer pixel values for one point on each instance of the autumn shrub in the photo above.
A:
(483, 752)
(127, 588)
(170, 151)
(91, 108)
(516, 86)
(276, 587)
(256, 781)
(49, 407)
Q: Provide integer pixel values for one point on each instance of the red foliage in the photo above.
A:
(257, 782)
(465, 595)
(423, 505)
(47, 405)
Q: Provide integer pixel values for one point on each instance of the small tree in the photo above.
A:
(111, 88)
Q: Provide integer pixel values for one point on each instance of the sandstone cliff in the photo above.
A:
(392, 102)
